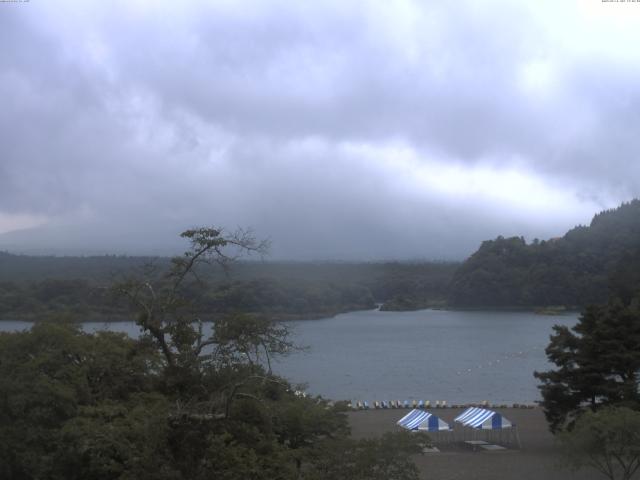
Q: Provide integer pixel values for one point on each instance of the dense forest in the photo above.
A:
(570, 272)
(77, 288)
(573, 271)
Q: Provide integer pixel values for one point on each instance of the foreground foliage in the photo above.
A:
(607, 440)
(597, 362)
(184, 401)
(592, 398)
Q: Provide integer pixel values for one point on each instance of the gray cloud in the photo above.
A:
(359, 131)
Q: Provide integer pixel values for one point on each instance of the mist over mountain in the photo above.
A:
(346, 131)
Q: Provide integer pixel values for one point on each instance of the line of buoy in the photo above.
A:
(426, 404)
(497, 361)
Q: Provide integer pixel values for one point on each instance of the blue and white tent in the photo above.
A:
(424, 421)
(493, 424)
(483, 419)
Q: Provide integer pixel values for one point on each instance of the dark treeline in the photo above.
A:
(78, 287)
(572, 271)
(575, 270)
(97, 269)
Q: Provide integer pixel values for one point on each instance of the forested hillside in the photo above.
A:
(78, 287)
(574, 270)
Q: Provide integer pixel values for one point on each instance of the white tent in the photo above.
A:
(423, 421)
(481, 419)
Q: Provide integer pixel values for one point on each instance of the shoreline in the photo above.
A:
(98, 318)
(290, 317)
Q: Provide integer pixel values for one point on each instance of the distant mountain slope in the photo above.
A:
(574, 270)
(99, 269)
(41, 287)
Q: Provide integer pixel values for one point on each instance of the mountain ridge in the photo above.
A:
(573, 270)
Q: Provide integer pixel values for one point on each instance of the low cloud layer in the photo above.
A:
(371, 130)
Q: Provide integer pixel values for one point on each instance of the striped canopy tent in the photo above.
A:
(490, 422)
(424, 421)
(483, 419)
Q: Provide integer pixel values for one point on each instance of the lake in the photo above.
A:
(457, 356)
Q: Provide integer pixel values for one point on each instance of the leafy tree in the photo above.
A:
(597, 361)
(385, 458)
(52, 375)
(607, 440)
(116, 439)
(184, 401)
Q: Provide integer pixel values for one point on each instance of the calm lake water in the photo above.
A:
(429, 354)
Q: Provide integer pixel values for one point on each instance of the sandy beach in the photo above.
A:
(537, 459)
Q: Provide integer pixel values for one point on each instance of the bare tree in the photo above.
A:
(169, 314)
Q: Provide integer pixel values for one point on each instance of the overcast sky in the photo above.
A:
(339, 130)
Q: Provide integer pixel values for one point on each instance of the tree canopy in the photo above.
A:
(598, 362)
(184, 401)
(607, 440)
